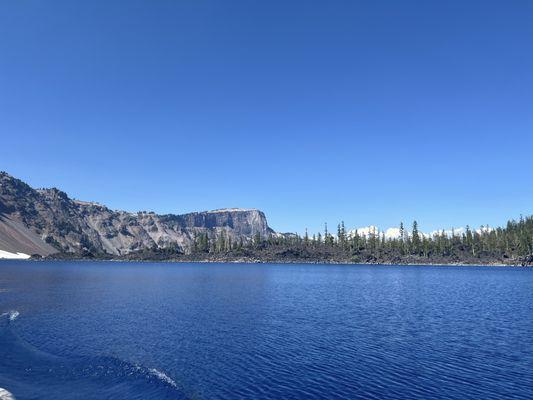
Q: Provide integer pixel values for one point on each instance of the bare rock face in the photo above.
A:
(45, 221)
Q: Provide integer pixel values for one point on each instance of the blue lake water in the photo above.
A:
(84, 330)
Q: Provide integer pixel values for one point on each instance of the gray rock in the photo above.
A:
(45, 221)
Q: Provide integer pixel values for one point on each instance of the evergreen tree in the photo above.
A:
(415, 238)
(342, 235)
(469, 241)
(402, 237)
(195, 243)
(513, 242)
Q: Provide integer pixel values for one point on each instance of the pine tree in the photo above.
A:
(415, 238)
(342, 235)
(402, 237)
(356, 242)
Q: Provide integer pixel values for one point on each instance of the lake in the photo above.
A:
(96, 330)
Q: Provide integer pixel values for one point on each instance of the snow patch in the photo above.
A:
(16, 256)
(392, 233)
(449, 232)
(484, 229)
(460, 231)
(365, 231)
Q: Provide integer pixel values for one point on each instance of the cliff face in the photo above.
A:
(46, 221)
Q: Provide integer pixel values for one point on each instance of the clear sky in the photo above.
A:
(371, 112)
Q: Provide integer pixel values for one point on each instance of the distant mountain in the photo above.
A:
(395, 233)
(47, 221)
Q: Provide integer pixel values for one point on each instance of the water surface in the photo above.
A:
(241, 331)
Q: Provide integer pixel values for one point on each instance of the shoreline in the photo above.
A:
(251, 261)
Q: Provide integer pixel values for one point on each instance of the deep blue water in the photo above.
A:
(207, 331)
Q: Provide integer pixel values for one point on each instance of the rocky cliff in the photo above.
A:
(46, 221)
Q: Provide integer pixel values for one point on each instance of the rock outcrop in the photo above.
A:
(46, 221)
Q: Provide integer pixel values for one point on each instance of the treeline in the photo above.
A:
(514, 241)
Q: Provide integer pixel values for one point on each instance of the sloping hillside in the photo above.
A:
(45, 221)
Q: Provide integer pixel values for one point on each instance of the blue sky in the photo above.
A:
(371, 112)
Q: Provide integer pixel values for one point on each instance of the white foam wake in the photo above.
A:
(5, 395)
(12, 316)
(162, 376)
